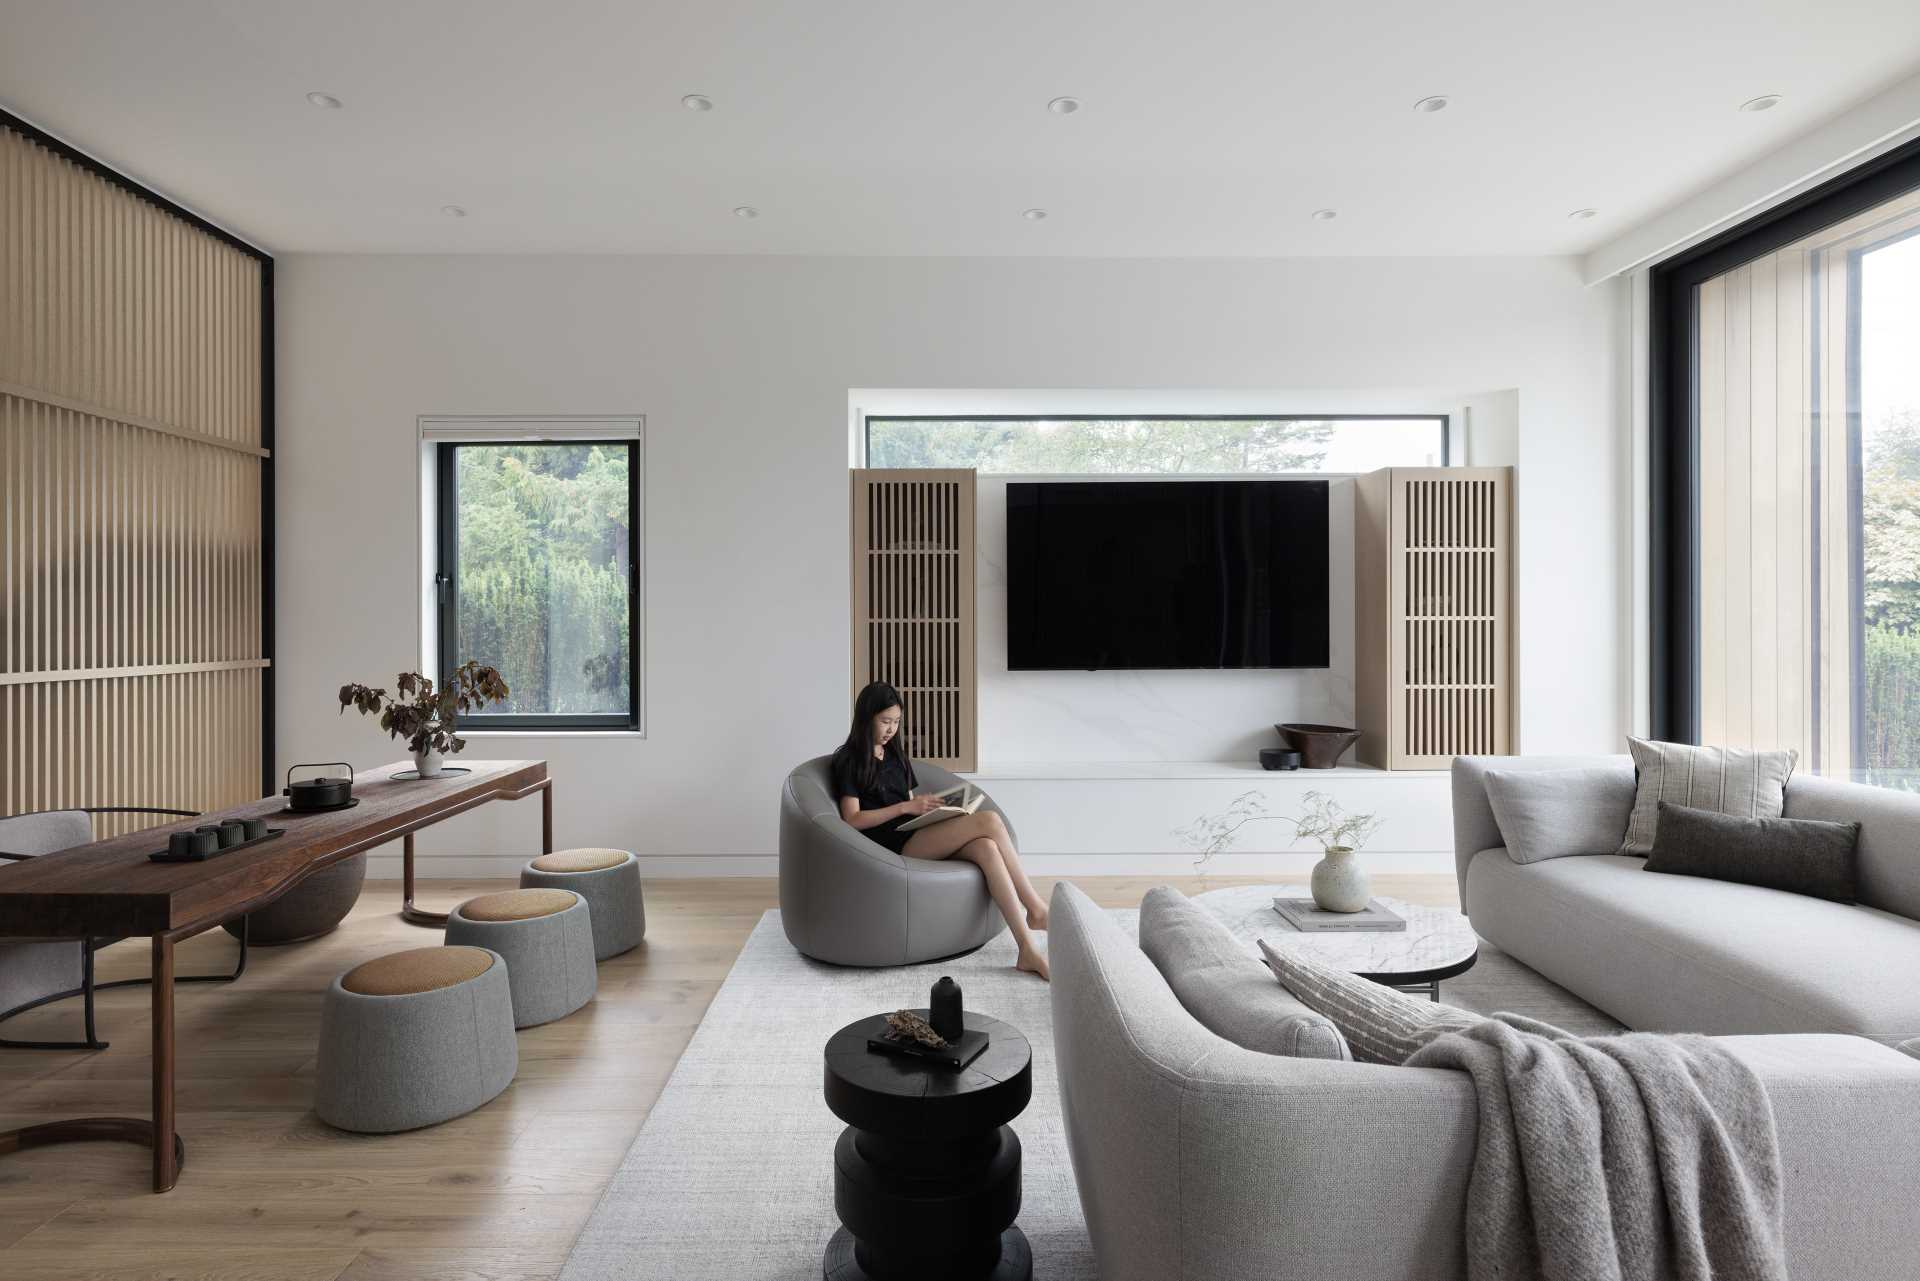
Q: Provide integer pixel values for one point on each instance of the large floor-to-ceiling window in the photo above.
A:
(1787, 482)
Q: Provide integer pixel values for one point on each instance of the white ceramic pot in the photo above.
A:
(429, 763)
(1339, 884)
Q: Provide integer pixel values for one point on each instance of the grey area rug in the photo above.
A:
(731, 1176)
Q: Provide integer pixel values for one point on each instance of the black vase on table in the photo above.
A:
(944, 1011)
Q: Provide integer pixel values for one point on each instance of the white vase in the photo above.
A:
(1339, 884)
(428, 763)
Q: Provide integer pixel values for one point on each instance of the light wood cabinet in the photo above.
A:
(1433, 615)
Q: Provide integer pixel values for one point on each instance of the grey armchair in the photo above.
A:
(36, 972)
(846, 900)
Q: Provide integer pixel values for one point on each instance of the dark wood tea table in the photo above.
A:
(110, 889)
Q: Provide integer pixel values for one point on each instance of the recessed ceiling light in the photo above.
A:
(1064, 106)
(1765, 102)
(319, 99)
(1034, 215)
(697, 102)
(1581, 215)
(745, 211)
(1325, 215)
(453, 211)
(1438, 102)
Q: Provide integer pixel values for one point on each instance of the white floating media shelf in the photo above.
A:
(1127, 814)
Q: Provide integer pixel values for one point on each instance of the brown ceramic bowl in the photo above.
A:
(1320, 746)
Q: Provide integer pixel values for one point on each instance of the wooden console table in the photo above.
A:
(110, 889)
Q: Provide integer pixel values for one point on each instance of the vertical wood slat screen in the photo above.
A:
(132, 653)
(1777, 434)
(913, 604)
(1433, 620)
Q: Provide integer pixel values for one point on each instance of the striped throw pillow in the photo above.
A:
(1380, 1024)
(1723, 780)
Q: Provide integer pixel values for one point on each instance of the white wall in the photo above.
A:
(742, 367)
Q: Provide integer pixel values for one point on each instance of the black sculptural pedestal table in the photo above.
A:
(926, 1176)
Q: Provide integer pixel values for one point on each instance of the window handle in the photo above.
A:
(441, 583)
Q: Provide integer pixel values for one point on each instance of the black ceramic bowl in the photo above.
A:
(1320, 746)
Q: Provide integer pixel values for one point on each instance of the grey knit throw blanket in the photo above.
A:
(1621, 1158)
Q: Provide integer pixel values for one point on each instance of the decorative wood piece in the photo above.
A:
(131, 462)
(1433, 614)
(913, 604)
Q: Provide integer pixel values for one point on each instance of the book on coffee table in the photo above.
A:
(1303, 915)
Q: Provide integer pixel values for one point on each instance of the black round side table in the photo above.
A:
(926, 1176)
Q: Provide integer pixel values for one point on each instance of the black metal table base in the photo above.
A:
(1015, 1262)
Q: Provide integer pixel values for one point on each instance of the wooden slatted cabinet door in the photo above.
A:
(912, 568)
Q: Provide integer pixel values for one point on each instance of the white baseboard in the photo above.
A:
(1293, 866)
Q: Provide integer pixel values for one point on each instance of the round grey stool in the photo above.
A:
(546, 937)
(610, 882)
(415, 1038)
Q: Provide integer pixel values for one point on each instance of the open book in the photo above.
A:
(964, 799)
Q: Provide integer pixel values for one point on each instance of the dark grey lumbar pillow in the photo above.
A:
(1798, 855)
(1726, 780)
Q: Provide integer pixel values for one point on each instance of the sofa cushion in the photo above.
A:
(1378, 1023)
(1726, 780)
(1224, 987)
(1685, 954)
(1889, 850)
(1559, 812)
(1798, 855)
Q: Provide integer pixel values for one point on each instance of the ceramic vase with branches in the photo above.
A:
(427, 718)
(1339, 883)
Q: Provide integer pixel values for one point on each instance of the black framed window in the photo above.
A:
(1785, 480)
(1157, 444)
(538, 575)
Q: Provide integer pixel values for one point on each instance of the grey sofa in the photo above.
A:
(849, 901)
(1200, 1161)
(1681, 953)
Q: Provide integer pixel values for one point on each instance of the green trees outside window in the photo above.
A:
(542, 582)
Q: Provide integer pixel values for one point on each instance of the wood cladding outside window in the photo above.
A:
(1779, 420)
(913, 604)
(132, 459)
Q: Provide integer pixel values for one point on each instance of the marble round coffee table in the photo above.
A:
(1437, 944)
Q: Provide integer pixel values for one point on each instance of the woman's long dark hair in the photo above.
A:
(876, 698)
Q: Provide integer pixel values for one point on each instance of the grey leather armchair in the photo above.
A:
(846, 900)
(37, 972)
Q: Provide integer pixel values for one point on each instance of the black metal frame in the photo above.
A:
(67, 151)
(88, 946)
(447, 578)
(1673, 442)
(866, 424)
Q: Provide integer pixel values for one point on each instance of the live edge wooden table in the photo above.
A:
(110, 889)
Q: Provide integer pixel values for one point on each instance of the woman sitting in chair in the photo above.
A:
(873, 781)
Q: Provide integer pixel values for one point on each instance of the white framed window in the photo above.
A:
(1157, 444)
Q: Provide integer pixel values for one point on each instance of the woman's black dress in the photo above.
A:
(893, 782)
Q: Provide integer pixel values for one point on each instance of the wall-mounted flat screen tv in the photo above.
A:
(1166, 574)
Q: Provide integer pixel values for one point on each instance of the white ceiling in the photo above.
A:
(906, 127)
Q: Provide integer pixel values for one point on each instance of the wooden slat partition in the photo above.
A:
(1433, 616)
(132, 463)
(913, 604)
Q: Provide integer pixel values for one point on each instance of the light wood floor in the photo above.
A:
(269, 1192)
